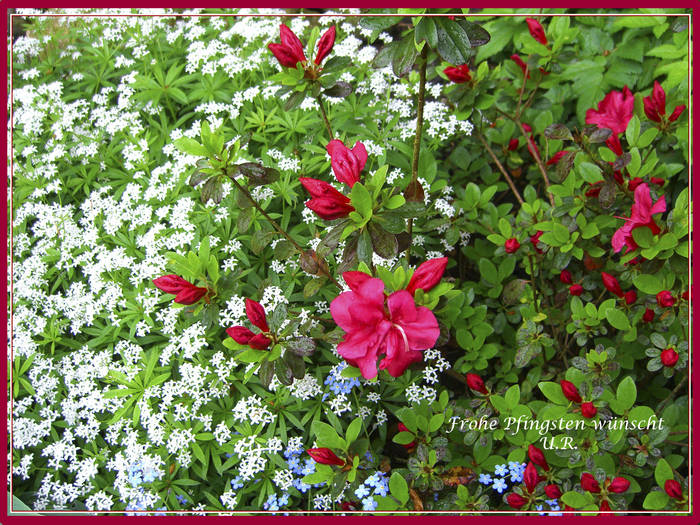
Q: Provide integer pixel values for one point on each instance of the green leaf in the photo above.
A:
(398, 487)
(656, 500)
(361, 200)
(643, 236)
(632, 131)
(191, 147)
(452, 41)
(618, 319)
(353, 430)
(488, 271)
(663, 472)
(552, 391)
(327, 436)
(512, 396)
(404, 56)
(576, 499)
(590, 172)
(426, 31)
(403, 438)
(626, 393)
(649, 284)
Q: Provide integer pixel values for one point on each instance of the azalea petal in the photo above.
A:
(659, 206)
(360, 153)
(398, 357)
(355, 279)
(419, 324)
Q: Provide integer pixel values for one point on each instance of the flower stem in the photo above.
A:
(325, 117)
(417, 139)
(500, 168)
(538, 160)
(277, 227)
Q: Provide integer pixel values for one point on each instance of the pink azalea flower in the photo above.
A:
(614, 111)
(641, 215)
(399, 328)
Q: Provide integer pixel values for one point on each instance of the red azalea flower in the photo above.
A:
(630, 297)
(673, 489)
(327, 202)
(594, 190)
(397, 328)
(614, 111)
(184, 291)
(611, 284)
(570, 391)
(512, 245)
(604, 505)
(575, 289)
(516, 501)
(655, 105)
(513, 144)
(565, 277)
(618, 485)
(427, 275)
(677, 112)
(613, 142)
(648, 316)
(658, 181)
(290, 51)
(589, 483)
(669, 357)
(347, 163)
(552, 491)
(476, 383)
(641, 215)
(537, 457)
(458, 74)
(665, 299)
(588, 410)
(519, 61)
(404, 428)
(325, 44)
(243, 336)
(325, 456)
(536, 30)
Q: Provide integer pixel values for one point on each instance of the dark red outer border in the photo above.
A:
(498, 517)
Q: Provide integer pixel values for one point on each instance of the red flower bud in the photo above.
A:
(513, 144)
(669, 357)
(633, 183)
(325, 456)
(685, 295)
(570, 391)
(576, 289)
(404, 428)
(611, 284)
(588, 410)
(557, 157)
(594, 190)
(171, 284)
(256, 314)
(536, 30)
(325, 44)
(648, 316)
(665, 299)
(190, 295)
(589, 483)
(658, 181)
(673, 489)
(655, 105)
(459, 74)
(552, 491)
(677, 112)
(565, 277)
(537, 457)
(604, 506)
(512, 245)
(521, 64)
(427, 275)
(476, 383)
(535, 239)
(516, 501)
(327, 202)
(619, 485)
(630, 297)
(290, 51)
(240, 334)
(530, 477)
(259, 342)
(347, 163)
